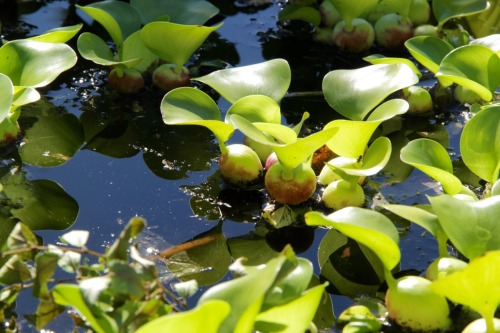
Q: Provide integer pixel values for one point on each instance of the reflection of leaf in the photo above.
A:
(50, 139)
(41, 204)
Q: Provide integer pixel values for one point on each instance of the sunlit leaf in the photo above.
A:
(431, 158)
(35, 64)
(195, 12)
(446, 9)
(472, 226)
(353, 136)
(367, 227)
(6, 97)
(428, 50)
(179, 41)
(475, 67)
(118, 18)
(293, 154)
(295, 316)
(271, 78)
(58, 35)
(186, 289)
(374, 160)
(206, 317)
(476, 286)
(25, 95)
(381, 59)
(45, 267)
(190, 106)
(77, 238)
(256, 108)
(70, 295)
(418, 215)
(480, 144)
(492, 42)
(245, 295)
(355, 92)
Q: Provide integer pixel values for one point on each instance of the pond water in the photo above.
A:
(166, 175)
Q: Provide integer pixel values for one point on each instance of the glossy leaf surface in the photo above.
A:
(179, 41)
(480, 144)
(475, 67)
(350, 10)
(271, 78)
(59, 35)
(447, 9)
(472, 226)
(190, 106)
(431, 158)
(6, 97)
(35, 64)
(206, 317)
(355, 92)
(256, 108)
(367, 227)
(428, 50)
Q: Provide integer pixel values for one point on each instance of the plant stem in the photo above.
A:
(389, 279)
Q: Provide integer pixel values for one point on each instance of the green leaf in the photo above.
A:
(42, 204)
(428, 50)
(45, 267)
(475, 67)
(92, 47)
(20, 237)
(118, 18)
(381, 59)
(349, 10)
(58, 35)
(50, 138)
(190, 106)
(119, 249)
(271, 78)
(34, 64)
(14, 270)
(418, 215)
(133, 48)
(6, 229)
(293, 154)
(446, 9)
(355, 92)
(179, 41)
(480, 144)
(367, 227)
(476, 286)
(76, 238)
(492, 42)
(256, 108)
(353, 136)
(7, 96)
(374, 160)
(246, 294)
(206, 317)
(472, 226)
(195, 12)
(431, 158)
(295, 316)
(70, 295)
(25, 95)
